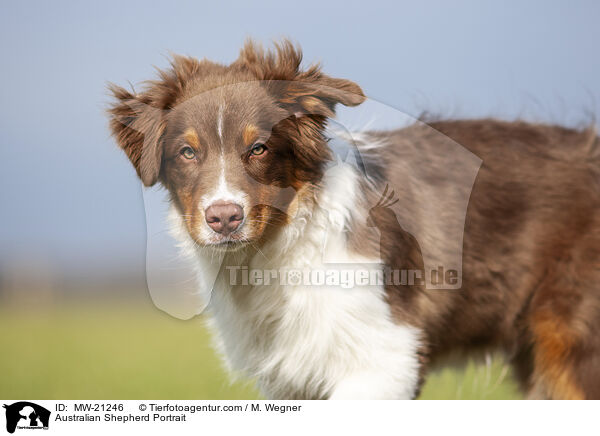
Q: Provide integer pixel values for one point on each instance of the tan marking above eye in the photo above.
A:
(191, 137)
(249, 134)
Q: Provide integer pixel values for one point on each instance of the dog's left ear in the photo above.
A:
(309, 92)
(319, 96)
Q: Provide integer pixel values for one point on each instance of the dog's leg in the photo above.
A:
(564, 321)
(392, 368)
(374, 385)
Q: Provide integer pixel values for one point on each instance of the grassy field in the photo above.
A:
(121, 351)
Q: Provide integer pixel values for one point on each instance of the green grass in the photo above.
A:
(121, 351)
(473, 382)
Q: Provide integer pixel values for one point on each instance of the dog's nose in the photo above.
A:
(224, 217)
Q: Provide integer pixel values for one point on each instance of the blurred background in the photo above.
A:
(76, 318)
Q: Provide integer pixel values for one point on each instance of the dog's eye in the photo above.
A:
(188, 153)
(258, 149)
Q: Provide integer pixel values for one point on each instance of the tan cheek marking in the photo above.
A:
(262, 216)
(258, 216)
(250, 134)
(191, 137)
(191, 213)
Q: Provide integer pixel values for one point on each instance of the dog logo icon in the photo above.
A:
(26, 415)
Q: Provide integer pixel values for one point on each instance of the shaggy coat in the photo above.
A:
(512, 215)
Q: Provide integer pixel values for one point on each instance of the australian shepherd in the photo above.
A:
(460, 236)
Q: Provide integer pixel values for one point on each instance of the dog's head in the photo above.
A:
(232, 144)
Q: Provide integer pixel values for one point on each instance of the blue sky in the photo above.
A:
(68, 194)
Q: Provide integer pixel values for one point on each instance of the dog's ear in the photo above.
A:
(308, 92)
(138, 127)
(138, 120)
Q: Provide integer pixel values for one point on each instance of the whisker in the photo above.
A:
(259, 250)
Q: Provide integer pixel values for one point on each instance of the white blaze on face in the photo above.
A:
(220, 123)
(222, 191)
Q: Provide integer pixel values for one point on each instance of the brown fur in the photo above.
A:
(191, 137)
(531, 248)
(250, 134)
(264, 97)
(531, 252)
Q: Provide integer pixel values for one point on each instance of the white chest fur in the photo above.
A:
(309, 341)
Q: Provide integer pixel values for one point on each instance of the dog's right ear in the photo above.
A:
(138, 127)
(138, 121)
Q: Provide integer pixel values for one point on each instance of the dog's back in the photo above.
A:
(531, 250)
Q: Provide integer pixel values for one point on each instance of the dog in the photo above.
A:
(243, 151)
